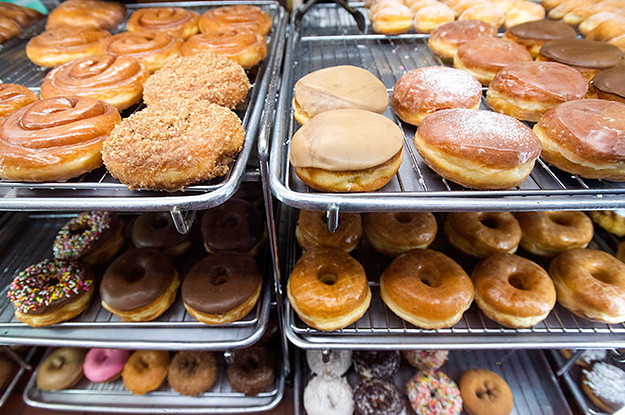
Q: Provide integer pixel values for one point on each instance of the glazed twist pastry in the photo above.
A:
(8, 29)
(14, 97)
(57, 46)
(173, 20)
(87, 13)
(243, 46)
(153, 49)
(240, 17)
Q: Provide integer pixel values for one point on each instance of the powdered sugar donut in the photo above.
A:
(328, 395)
(432, 392)
(104, 365)
(426, 359)
(338, 362)
(604, 384)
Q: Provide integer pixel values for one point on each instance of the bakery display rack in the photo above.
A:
(24, 366)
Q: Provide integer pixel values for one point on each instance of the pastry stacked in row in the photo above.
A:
(14, 19)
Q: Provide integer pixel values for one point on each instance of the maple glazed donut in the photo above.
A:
(328, 289)
(157, 230)
(153, 49)
(145, 371)
(14, 97)
(191, 372)
(549, 233)
(61, 369)
(235, 17)
(608, 84)
(312, 231)
(533, 35)
(58, 46)
(485, 393)
(445, 39)
(481, 234)
(393, 233)
(176, 21)
(245, 47)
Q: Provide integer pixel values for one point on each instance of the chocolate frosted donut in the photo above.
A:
(252, 370)
(157, 230)
(587, 56)
(533, 35)
(608, 84)
(378, 397)
(376, 364)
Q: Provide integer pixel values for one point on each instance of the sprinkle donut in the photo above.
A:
(432, 392)
(426, 359)
(328, 395)
(378, 397)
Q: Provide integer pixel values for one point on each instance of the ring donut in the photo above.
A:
(191, 372)
(145, 371)
(62, 369)
(485, 393)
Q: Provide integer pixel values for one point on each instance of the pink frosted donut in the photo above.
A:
(102, 365)
(426, 359)
(431, 392)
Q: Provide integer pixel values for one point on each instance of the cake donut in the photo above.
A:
(176, 21)
(246, 47)
(393, 233)
(378, 397)
(612, 221)
(14, 97)
(485, 393)
(104, 365)
(481, 234)
(445, 39)
(61, 369)
(153, 49)
(64, 44)
(145, 371)
(236, 17)
(252, 370)
(328, 395)
(157, 230)
(603, 384)
(338, 362)
(312, 231)
(533, 35)
(87, 14)
(433, 392)
(191, 372)
(370, 364)
(426, 359)
(608, 84)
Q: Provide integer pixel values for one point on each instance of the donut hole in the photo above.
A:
(602, 274)
(517, 281)
(229, 223)
(160, 222)
(431, 280)
(328, 278)
(77, 230)
(403, 217)
(135, 274)
(562, 220)
(489, 221)
(221, 277)
(250, 365)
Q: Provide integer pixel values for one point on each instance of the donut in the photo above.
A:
(50, 292)
(370, 364)
(533, 35)
(571, 140)
(104, 365)
(222, 288)
(549, 233)
(390, 17)
(481, 234)
(426, 359)
(157, 230)
(428, 18)
(325, 395)
(23, 16)
(150, 149)
(91, 237)
(460, 6)
(595, 19)
(606, 30)
(523, 12)
(489, 13)
(612, 221)
(588, 357)
(433, 392)
(338, 362)
(426, 288)
(152, 49)
(61, 369)
(252, 370)
(393, 233)
(603, 384)
(312, 231)
(378, 397)
(477, 149)
(590, 284)
(619, 42)
(145, 371)
(608, 84)
(236, 17)
(139, 285)
(87, 13)
(63, 139)
(561, 10)
(64, 44)
(485, 393)
(9, 29)
(14, 97)
(338, 87)
(235, 226)
(341, 151)
(445, 39)
(328, 289)
(246, 47)
(176, 21)
(191, 372)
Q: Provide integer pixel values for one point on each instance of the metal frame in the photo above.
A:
(20, 372)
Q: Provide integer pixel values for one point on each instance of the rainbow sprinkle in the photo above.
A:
(77, 237)
(433, 393)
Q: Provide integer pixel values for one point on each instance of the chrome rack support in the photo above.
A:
(566, 366)
(182, 220)
(228, 356)
(17, 358)
(361, 22)
(332, 216)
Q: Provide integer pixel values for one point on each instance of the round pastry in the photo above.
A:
(603, 384)
(588, 357)
(91, 237)
(8, 29)
(157, 230)
(104, 365)
(239, 17)
(87, 13)
(23, 16)
(150, 148)
(312, 231)
(549, 233)
(235, 226)
(55, 139)
(390, 18)
(460, 6)
(338, 362)
(477, 149)
(342, 151)
(328, 289)
(533, 35)
(153, 49)
(426, 288)
(608, 84)
(606, 30)
(14, 97)
(426, 359)
(571, 142)
(371, 364)
(423, 91)
(483, 58)
(58, 46)
(252, 370)
(432, 392)
(486, 12)
(522, 12)
(612, 221)
(597, 18)
(562, 9)
(50, 292)
(328, 395)
(432, 16)
(222, 288)
(245, 47)
(393, 233)
(481, 234)
(62, 369)
(485, 393)
(619, 42)
(378, 397)
(176, 21)
(445, 39)
(590, 284)
(191, 372)
(204, 77)
(145, 371)
(338, 87)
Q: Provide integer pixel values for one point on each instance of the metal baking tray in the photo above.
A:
(18, 375)
(26, 239)
(415, 186)
(534, 386)
(97, 189)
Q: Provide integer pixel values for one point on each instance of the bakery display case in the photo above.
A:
(24, 366)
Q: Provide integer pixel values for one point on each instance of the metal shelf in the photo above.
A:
(28, 359)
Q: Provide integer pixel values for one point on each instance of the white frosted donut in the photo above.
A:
(328, 395)
(338, 362)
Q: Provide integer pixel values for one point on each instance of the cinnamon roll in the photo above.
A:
(14, 97)
(243, 46)
(152, 49)
(238, 17)
(87, 13)
(174, 20)
(57, 46)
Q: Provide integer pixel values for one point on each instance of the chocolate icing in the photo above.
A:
(611, 81)
(543, 30)
(156, 230)
(234, 226)
(583, 53)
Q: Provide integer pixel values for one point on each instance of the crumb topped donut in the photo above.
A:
(393, 233)
(485, 393)
(549, 233)
(312, 231)
(481, 234)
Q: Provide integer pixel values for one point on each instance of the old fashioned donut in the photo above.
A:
(252, 370)
(87, 13)
(338, 362)
(152, 48)
(328, 289)
(104, 365)
(191, 372)
(236, 17)
(426, 288)
(433, 392)
(485, 393)
(64, 44)
(370, 364)
(62, 369)
(312, 231)
(157, 230)
(328, 395)
(481, 234)
(426, 359)
(533, 35)
(246, 47)
(378, 397)
(145, 371)
(14, 97)
(445, 39)
(608, 84)
(549, 233)
(603, 384)
(176, 21)
(393, 233)
(612, 221)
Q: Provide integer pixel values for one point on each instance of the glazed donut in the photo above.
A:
(485, 393)
(522, 12)
(619, 42)
(590, 284)
(87, 13)
(312, 231)
(460, 6)
(328, 395)
(157, 230)
(378, 397)
(433, 392)
(423, 91)
(583, 11)
(176, 21)
(246, 47)
(191, 372)
(50, 292)
(145, 371)
(14, 97)
(426, 359)
(533, 35)
(432, 16)
(91, 237)
(592, 21)
(611, 221)
(549, 233)
(149, 149)
(328, 289)
(606, 30)
(370, 364)
(61, 369)
(64, 44)
(445, 39)
(104, 365)
(426, 288)
(8, 29)
(481, 234)
(240, 17)
(62, 139)
(489, 13)
(23, 16)
(252, 370)
(608, 84)
(152, 49)
(338, 362)
(390, 17)
(117, 80)
(603, 384)
(561, 10)
(222, 288)
(139, 285)
(393, 233)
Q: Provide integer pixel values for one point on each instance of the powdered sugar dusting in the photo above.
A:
(439, 84)
(607, 382)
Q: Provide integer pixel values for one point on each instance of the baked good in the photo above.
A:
(558, 12)
(312, 231)
(63, 138)
(342, 151)
(14, 97)
(485, 393)
(378, 397)
(549, 233)
(619, 42)
(148, 149)
(393, 233)
(432, 16)
(8, 29)
(325, 395)
(597, 18)
(338, 362)
(64, 44)
(328, 289)
(573, 138)
(433, 392)
(139, 285)
(501, 151)
(87, 13)
(481, 234)
(152, 48)
(584, 10)
(176, 21)
(145, 371)
(423, 91)
(338, 87)
(191, 372)
(61, 369)
(486, 12)
(603, 384)
(246, 47)
(236, 17)
(426, 359)
(460, 6)
(426, 288)
(157, 230)
(390, 17)
(522, 12)
(370, 364)
(608, 84)
(104, 365)
(612, 221)
(588, 357)
(50, 292)
(23, 16)
(445, 39)
(606, 30)
(251, 371)
(533, 35)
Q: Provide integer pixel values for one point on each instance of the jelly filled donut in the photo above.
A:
(145, 370)
(157, 230)
(378, 397)
(549, 233)
(371, 364)
(433, 392)
(62, 369)
(445, 39)
(338, 362)
(485, 393)
(608, 84)
(426, 359)
(393, 233)
(252, 370)
(104, 365)
(328, 395)
(481, 234)
(14, 97)
(312, 231)
(191, 372)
